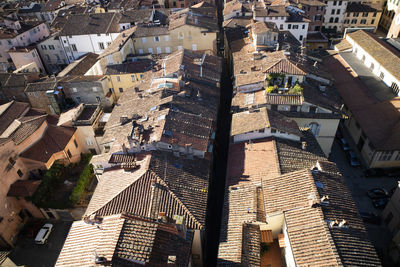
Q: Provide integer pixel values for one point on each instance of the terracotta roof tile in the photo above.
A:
(122, 239)
(54, 140)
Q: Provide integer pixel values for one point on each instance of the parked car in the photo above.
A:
(370, 217)
(44, 233)
(380, 203)
(375, 172)
(353, 159)
(344, 144)
(377, 193)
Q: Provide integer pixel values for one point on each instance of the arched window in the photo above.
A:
(314, 128)
(331, 20)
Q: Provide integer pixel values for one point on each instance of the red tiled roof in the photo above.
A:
(54, 140)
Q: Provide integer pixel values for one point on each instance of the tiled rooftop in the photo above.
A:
(122, 239)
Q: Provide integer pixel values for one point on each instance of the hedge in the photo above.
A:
(82, 183)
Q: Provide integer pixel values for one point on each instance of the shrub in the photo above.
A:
(82, 183)
(51, 180)
(297, 89)
(270, 89)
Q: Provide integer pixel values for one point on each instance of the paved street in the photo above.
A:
(359, 185)
(29, 254)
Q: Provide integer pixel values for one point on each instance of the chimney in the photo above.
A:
(304, 145)
(324, 201)
(162, 217)
(333, 224)
(343, 223)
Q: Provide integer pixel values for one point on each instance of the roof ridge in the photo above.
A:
(32, 119)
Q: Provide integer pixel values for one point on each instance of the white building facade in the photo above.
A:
(334, 15)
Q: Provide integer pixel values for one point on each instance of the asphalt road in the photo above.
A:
(27, 253)
(358, 184)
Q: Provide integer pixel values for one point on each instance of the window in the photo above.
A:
(74, 47)
(372, 66)
(156, 38)
(301, 37)
(140, 51)
(304, 26)
(98, 99)
(75, 143)
(333, 12)
(78, 99)
(295, 27)
(33, 54)
(12, 161)
(372, 21)
(118, 79)
(338, 12)
(108, 44)
(363, 21)
(69, 153)
(374, 15)
(180, 35)
(194, 47)
(121, 90)
(48, 57)
(180, 47)
(43, 47)
(355, 14)
(336, 20)
(9, 42)
(150, 50)
(382, 75)
(74, 90)
(133, 78)
(166, 37)
(20, 173)
(101, 45)
(354, 21)
(340, 3)
(395, 88)
(386, 155)
(57, 56)
(167, 49)
(363, 58)
(346, 21)
(281, 27)
(365, 14)
(51, 47)
(144, 40)
(159, 50)
(89, 141)
(289, 26)
(331, 20)
(334, 3)
(318, 17)
(273, 130)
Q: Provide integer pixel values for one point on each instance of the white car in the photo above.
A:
(43, 234)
